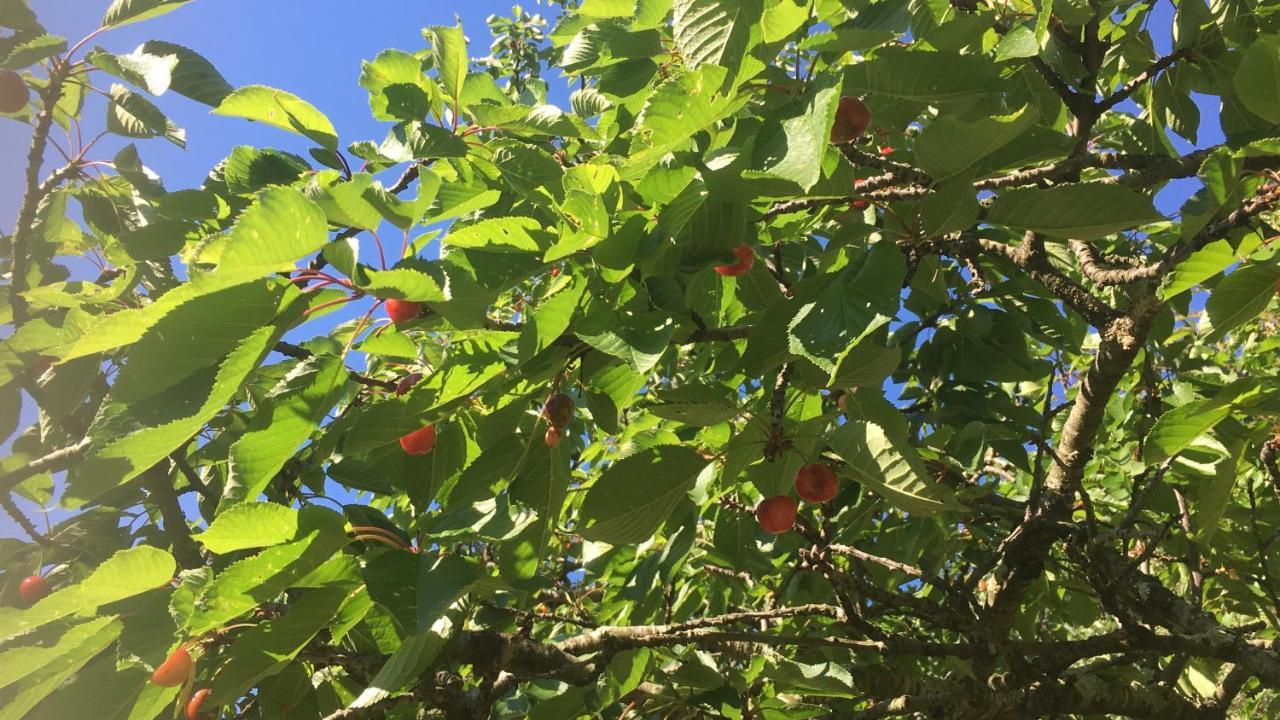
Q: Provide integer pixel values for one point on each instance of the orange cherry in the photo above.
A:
(777, 514)
(193, 705)
(402, 310)
(553, 437)
(419, 442)
(816, 483)
(174, 670)
(746, 258)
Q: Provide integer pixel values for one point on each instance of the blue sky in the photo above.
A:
(313, 48)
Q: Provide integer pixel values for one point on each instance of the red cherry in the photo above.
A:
(746, 258)
(174, 670)
(32, 588)
(407, 382)
(419, 442)
(816, 483)
(553, 437)
(859, 204)
(852, 119)
(777, 514)
(555, 271)
(13, 92)
(402, 310)
(886, 151)
(558, 410)
(193, 705)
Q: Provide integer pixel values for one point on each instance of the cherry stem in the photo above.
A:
(382, 258)
(366, 529)
(380, 539)
(331, 303)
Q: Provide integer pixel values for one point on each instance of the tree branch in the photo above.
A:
(55, 461)
(35, 190)
(1142, 78)
(160, 491)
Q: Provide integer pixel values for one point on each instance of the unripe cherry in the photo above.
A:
(32, 589)
(402, 310)
(746, 258)
(777, 514)
(175, 670)
(419, 442)
(816, 483)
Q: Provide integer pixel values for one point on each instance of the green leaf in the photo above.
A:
(191, 75)
(607, 8)
(154, 73)
(405, 283)
(716, 32)
(1181, 426)
(248, 583)
(639, 339)
(123, 575)
(267, 649)
(344, 201)
(280, 227)
(678, 110)
(1020, 42)
(193, 336)
(249, 525)
(891, 468)
(52, 676)
(33, 51)
(929, 77)
(506, 234)
(634, 496)
(449, 51)
(420, 141)
(1241, 296)
(398, 88)
(794, 148)
(1257, 79)
(279, 109)
(284, 421)
(1087, 211)
(1205, 263)
(20, 662)
(948, 146)
(552, 317)
(864, 364)
(951, 207)
(1212, 496)
(131, 115)
(123, 459)
(123, 12)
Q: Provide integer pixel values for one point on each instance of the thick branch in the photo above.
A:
(160, 491)
(19, 253)
(1028, 545)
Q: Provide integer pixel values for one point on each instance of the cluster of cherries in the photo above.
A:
(176, 670)
(815, 483)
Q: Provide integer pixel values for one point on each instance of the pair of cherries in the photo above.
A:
(815, 483)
